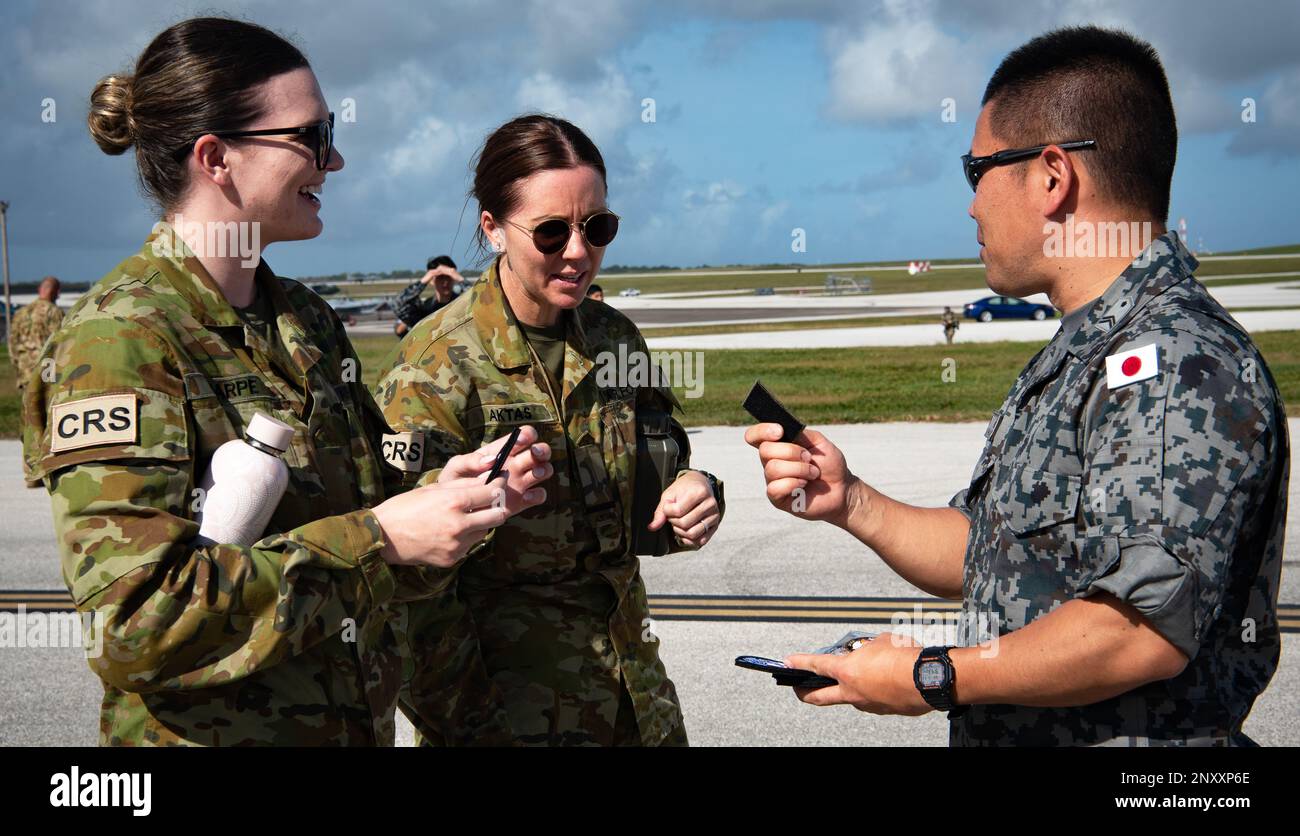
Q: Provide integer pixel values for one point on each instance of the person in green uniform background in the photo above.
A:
(169, 356)
(32, 325)
(551, 611)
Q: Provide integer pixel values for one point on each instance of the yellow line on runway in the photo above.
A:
(800, 602)
(752, 608)
(847, 615)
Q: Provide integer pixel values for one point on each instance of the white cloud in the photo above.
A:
(1276, 129)
(425, 150)
(897, 68)
(771, 214)
(718, 193)
(602, 107)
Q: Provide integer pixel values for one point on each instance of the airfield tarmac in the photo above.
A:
(49, 696)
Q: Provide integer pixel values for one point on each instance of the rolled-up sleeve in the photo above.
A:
(961, 502)
(1156, 584)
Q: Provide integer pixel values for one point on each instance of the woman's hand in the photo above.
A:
(690, 507)
(528, 466)
(438, 524)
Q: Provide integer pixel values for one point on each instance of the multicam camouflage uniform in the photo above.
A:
(550, 614)
(282, 643)
(31, 326)
(1169, 493)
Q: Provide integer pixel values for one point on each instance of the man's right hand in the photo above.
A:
(808, 477)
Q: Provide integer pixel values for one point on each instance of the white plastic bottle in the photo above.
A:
(244, 484)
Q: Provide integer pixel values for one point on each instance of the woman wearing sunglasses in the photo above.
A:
(287, 641)
(552, 607)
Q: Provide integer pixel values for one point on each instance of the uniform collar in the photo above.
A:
(1164, 263)
(499, 330)
(185, 275)
(180, 268)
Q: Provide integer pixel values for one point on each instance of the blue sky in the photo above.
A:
(769, 116)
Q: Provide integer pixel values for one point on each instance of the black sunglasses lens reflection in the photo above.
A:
(968, 169)
(601, 229)
(551, 236)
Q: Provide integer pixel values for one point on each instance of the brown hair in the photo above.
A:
(193, 78)
(521, 148)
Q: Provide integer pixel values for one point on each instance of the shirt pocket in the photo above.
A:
(1035, 499)
(532, 546)
(223, 405)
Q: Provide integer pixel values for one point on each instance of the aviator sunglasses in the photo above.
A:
(552, 235)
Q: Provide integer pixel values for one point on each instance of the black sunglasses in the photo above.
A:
(974, 167)
(322, 133)
(551, 236)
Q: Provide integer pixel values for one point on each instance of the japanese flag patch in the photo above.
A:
(1132, 366)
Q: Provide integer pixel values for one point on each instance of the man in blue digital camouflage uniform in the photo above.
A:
(1121, 536)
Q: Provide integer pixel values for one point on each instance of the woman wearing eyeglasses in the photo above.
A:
(287, 641)
(552, 605)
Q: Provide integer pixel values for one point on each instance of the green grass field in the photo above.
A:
(879, 384)
(845, 386)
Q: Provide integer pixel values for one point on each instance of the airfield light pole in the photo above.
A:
(4, 255)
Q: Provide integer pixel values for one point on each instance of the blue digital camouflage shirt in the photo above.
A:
(1169, 492)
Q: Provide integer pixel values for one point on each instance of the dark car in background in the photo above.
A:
(1006, 307)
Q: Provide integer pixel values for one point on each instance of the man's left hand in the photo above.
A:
(877, 677)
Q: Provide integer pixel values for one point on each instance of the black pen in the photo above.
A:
(503, 455)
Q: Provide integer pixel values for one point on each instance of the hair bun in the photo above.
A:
(111, 125)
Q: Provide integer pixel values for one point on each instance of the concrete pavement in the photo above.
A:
(49, 697)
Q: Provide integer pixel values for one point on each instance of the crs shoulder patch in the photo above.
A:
(404, 451)
(90, 422)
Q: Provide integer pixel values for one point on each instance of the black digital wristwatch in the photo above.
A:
(935, 678)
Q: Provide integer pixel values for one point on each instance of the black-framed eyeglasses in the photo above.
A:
(974, 167)
(550, 236)
(322, 133)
